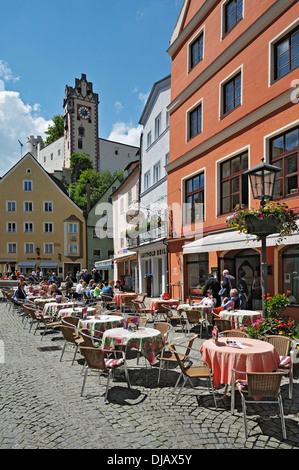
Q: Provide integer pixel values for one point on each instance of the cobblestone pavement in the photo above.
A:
(41, 406)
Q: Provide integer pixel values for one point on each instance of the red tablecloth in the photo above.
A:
(118, 298)
(260, 357)
(154, 303)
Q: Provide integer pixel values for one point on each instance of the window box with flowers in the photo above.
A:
(273, 217)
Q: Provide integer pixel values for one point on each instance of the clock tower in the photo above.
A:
(81, 122)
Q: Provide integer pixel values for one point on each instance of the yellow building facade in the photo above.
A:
(41, 226)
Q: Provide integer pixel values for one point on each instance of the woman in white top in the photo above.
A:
(209, 301)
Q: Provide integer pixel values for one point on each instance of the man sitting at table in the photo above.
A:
(54, 291)
(229, 303)
(108, 290)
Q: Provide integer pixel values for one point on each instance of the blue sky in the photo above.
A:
(120, 46)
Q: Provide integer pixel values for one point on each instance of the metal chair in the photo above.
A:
(233, 333)
(71, 339)
(258, 385)
(95, 360)
(223, 325)
(194, 317)
(286, 350)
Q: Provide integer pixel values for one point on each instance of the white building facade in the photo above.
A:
(151, 249)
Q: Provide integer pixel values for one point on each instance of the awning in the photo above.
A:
(104, 264)
(26, 264)
(48, 264)
(232, 240)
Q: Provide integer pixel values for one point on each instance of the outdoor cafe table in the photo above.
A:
(240, 318)
(119, 297)
(260, 356)
(39, 301)
(146, 340)
(75, 311)
(155, 302)
(96, 325)
(52, 308)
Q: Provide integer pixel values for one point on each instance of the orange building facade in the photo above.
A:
(234, 101)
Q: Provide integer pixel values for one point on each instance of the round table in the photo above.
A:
(146, 340)
(240, 318)
(52, 308)
(155, 302)
(260, 356)
(76, 311)
(97, 325)
(119, 296)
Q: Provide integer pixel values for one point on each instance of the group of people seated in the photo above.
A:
(51, 290)
(94, 290)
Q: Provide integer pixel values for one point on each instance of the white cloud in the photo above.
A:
(17, 121)
(126, 133)
(118, 106)
(6, 73)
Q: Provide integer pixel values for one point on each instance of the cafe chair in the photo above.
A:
(70, 321)
(223, 325)
(35, 316)
(88, 340)
(258, 387)
(140, 310)
(189, 371)
(286, 350)
(48, 322)
(127, 305)
(194, 317)
(96, 361)
(108, 301)
(168, 357)
(141, 300)
(233, 333)
(114, 312)
(70, 339)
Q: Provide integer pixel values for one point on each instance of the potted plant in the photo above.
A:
(273, 217)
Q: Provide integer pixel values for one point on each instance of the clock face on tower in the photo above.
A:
(84, 112)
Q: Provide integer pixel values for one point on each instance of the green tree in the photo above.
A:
(56, 130)
(79, 162)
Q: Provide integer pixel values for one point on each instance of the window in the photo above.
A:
(97, 254)
(28, 248)
(232, 94)
(11, 247)
(48, 227)
(80, 144)
(73, 228)
(284, 153)
(51, 156)
(27, 185)
(157, 172)
(194, 195)
(157, 126)
(195, 121)
(48, 206)
(233, 183)
(167, 158)
(233, 13)
(28, 227)
(11, 227)
(11, 206)
(147, 180)
(196, 51)
(149, 139)
(28, 206)
(286, 54)
(130, 198)
(290, 269)
(73, 249)
(197, 273)
(48, 248)
(122, 205)
(81, 131)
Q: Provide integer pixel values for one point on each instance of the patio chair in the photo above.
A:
(49, 323)
(223, 325)
(233, 333)
(88, 340)
(257, 387)
(95, 360)
(189, 371)
(139, 309)
(143, 321)
(168, 357)
(70, 339)
(108, 301)
(285, 348)
(127, 305)
(34, 316)
(70, 321)
(194, 317)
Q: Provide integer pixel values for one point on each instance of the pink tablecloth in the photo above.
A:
(172, 302)
(118, 298)
(260, 357)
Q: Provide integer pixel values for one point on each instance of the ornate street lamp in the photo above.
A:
(262, 180)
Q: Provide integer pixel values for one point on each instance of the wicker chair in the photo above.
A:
(285, 348)
(168, 357)
(233, 333)
(258, 385)
(139, 309)
(108, 301)
(49, 323)
(189, 371)
(71, 339)
(70, 321)
(34, 316)
(95, 360)
(194, 317)
(89, 341)
(223, 325)
(127, 305)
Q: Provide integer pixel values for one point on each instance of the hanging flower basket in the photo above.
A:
(274, 217)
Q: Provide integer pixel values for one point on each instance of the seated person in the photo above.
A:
(118, 286)
(108, 290)
(79, 289)
(232, 302)
(20, 294)
(54, 278)
(97, 291)
(209, 301)
(54, 291)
